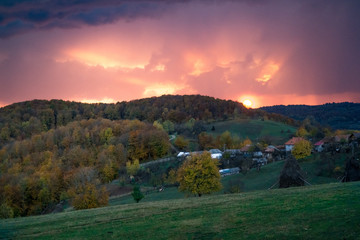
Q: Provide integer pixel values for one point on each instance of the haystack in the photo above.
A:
(352, 170)
(291, 174)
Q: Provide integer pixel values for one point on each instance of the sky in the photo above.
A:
(268, 52)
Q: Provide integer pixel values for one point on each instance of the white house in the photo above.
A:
(215, 153)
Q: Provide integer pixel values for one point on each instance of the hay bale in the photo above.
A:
(290, 175)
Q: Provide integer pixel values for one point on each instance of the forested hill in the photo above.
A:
(336, 115)
(22, 120)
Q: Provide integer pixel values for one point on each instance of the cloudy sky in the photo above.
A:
(271, 52)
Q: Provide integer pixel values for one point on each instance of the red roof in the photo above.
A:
(294, 140)
(245, 148)
(321, 142)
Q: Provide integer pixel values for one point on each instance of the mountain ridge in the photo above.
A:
(344, 115)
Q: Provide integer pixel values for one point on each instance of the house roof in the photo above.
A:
(294, 140)
(321, 142)
(280, 147)
(356, 135)
(271, 149)
(245, 148)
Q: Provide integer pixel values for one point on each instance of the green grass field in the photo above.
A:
(251, 181)
(328, 211)
(254, 129)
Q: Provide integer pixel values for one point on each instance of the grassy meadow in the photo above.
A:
(253, 180)
(327, 211)
(253, 129)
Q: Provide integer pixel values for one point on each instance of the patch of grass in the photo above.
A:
(167, 194)
(253, 129)
(318, 212)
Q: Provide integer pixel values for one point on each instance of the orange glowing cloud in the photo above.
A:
(267, 72)
(93, 58)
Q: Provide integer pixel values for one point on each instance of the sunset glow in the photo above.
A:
(267, 52)
(247, 103)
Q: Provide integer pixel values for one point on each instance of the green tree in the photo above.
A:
(168, 126)
(301, 149)
(199, 175)
(137, 194)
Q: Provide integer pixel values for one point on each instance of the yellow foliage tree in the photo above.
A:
(301, 149)
(91, 197)
(199, 175)
(132, 168)
(301, 132)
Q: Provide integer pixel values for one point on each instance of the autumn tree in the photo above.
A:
(301, 132)
(225, 140)
(181, 143)
(85, 191)
(206, 141)
(89, 196)
(302, 149)
(132, 167)
(199, 175)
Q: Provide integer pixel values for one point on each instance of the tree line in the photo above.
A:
(22, 120)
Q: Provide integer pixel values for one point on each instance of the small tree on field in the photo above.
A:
(301, 149)
(137, 194)
(199, 175)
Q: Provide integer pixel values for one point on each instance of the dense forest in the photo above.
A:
(73, 161)
(21, 120)
(335, 115)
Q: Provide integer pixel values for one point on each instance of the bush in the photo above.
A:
(6, 211)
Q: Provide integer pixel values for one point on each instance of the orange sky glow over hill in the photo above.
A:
(269, 52)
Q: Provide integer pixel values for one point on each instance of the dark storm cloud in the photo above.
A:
(217, 48)
(20, 16)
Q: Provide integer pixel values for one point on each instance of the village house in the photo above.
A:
(342, 138)
(270, 151)
(319, 146)
(289, 145)
(215, 153)
(246, 150)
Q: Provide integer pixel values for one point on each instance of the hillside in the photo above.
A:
(22, 120)
(336, 115)
(51, 151)
(318, 212)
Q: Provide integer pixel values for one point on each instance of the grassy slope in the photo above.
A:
(328, 211)
(253, 129)
(253, 180)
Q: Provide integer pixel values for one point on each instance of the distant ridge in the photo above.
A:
(345, 115)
